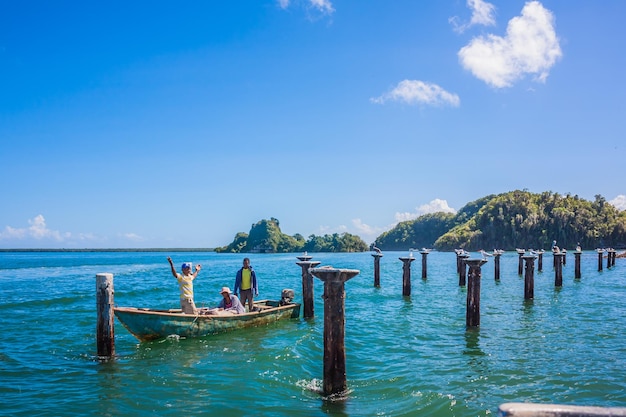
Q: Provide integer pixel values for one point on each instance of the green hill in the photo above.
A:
(517, 219)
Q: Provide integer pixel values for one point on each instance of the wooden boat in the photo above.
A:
(151, 324)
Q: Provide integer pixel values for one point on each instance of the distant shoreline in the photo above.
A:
(114, 250)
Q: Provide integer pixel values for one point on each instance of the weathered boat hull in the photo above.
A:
(149, 324)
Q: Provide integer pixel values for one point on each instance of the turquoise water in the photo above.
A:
(405, 355)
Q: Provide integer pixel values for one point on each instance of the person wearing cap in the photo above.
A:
(246, 285)
(230, 302)
(185, 284)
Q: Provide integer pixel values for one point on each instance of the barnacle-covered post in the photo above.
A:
(424, 253)
(496, 264)
(472, 315)
(334, 326)
(463, 269)
(377, 257)
(406, 274)
(105, 331)
(520, 264)
(577, 263)
(307, 285)
(529, 277)
(458, 252)
(600, 252)
(558, 269)
(540, 260)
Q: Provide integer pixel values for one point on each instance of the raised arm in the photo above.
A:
(172, 266)
(198, 268)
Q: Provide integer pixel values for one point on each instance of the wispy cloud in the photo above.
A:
(37, 230)
(324, 7)
(483, 13)
(367, 230)
(434, 206)
(369, 233)
(132, 237)
(530, 46)
(619, 202)
(419, 92)
(38, 234)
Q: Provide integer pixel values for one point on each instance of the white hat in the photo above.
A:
(225, 289)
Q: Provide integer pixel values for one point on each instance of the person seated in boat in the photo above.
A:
(185, 284)
(246, 284)
(230, 302)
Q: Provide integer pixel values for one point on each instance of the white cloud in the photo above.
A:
(483, 13)
(323, 6)
(529, 47)
(369, 233)
(419, 92)
(37, 234)
(37, 230)
(434, 206)
(327, 230)
(132, 237)
(619, 202)
(367, 230)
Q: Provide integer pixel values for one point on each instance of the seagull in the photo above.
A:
(485, 254)
(376, 249)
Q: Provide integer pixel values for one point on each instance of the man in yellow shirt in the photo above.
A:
(185, 284)
(246, 285)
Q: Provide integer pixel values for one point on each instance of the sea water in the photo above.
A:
(405, 356)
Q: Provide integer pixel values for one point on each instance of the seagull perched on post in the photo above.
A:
(377, 250)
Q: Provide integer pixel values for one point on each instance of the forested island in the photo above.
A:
(517, 219)
(266, 237)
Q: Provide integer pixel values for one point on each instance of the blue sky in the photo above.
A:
(154, 124)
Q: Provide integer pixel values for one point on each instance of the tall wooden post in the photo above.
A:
(406, 275)
(529, 277)
(558, 269)
(608, 258)
(540, 260)
(600, 252)
(459, 260)
(377, 257)
(564, 253)
(105, 330)
(472, 314)
(496, 263)
(463, 269)
(520, 263)
(577, 264)
(308, 305)
(334, 327)
(613, 256)
(424, 265)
